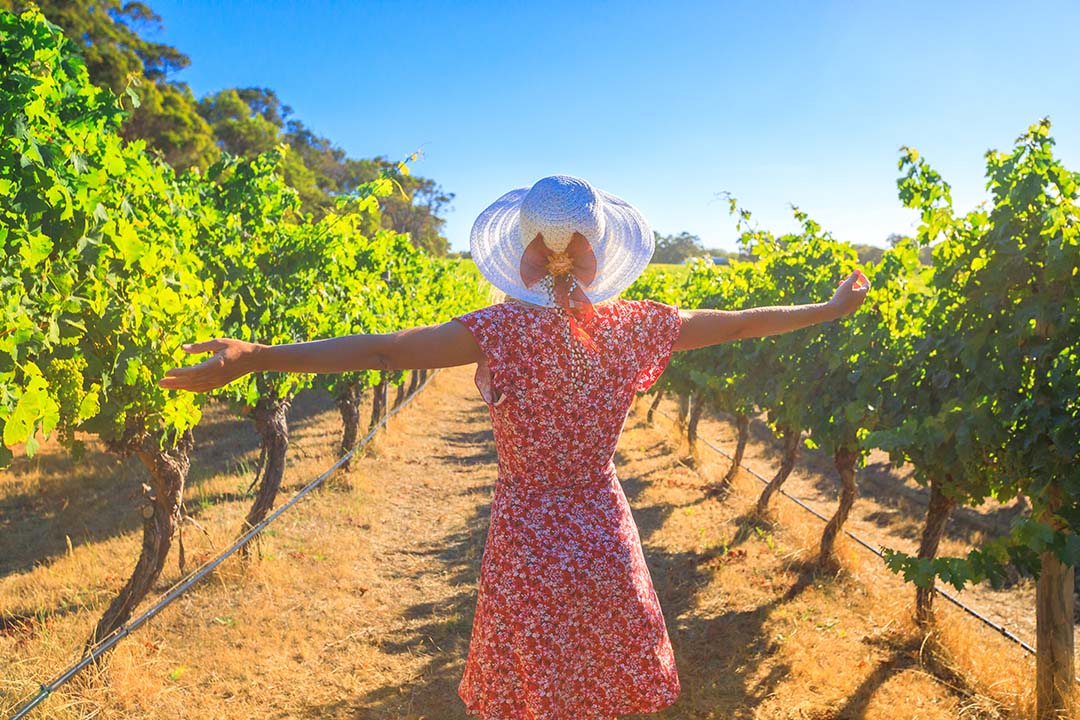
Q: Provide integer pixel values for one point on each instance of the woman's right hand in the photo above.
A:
(232, 359)
(849, 296)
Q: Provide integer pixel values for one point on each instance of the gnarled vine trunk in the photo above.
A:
(414, 381)
(400, 396)
(742, 424)
(271, 424)
(722, 488)
(161, 517)
(683, 416)
(378, 402)
(844, 458)
(695, 417)
(787, 464)
(655, 404)
(696, 411)
(937, 514)
(348, 402)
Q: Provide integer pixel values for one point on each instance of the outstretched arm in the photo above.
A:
(431, 346)
(701, 328)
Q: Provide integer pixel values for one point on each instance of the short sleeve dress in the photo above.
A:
(567, 625)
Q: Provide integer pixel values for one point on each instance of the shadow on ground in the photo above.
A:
(441, 630)
(718, 657)
(99, 496)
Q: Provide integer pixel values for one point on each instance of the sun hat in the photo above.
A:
(601, 242)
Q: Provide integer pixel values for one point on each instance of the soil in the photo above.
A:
(889, 511)
(360, 602)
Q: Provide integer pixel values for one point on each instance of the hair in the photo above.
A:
(496, 296)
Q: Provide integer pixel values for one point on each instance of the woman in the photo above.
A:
(567, 625)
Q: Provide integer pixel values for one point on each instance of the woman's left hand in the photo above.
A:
(850, 295)
(232, 359)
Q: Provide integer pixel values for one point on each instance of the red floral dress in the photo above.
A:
(568, 625)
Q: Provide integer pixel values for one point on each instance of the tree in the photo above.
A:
(262, 260)
(868, 254)
(240, 121)
(847, 382)
(717, 372)
(250, 121)
(107, 33)
(676, 248)
(795, 268)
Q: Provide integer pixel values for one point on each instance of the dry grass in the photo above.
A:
(362, 602)
(992, 675)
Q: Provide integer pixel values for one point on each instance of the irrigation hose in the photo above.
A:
(951, 598)
(185, 584)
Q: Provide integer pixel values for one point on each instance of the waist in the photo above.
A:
(577, 480)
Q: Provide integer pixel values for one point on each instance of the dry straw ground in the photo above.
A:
(362, 601)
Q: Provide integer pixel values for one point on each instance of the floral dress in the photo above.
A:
(567, 625)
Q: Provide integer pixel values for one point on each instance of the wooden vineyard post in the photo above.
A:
(1055, 684)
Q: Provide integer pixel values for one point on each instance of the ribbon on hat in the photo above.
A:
(576, 261)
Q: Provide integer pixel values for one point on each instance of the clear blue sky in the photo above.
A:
(664, 104)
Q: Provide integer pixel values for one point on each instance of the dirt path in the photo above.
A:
(362, 604)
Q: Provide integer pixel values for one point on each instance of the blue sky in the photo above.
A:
(663, 104)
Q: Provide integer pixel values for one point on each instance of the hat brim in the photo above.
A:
(622, 253)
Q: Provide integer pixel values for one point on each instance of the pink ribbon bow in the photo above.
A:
(578, 260)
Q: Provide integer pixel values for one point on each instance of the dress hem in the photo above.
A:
(477, 709)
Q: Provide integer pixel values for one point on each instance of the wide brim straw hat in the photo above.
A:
(556, 207)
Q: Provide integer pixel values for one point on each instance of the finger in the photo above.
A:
(188, 372)
(205, 387)
(199, 369)
(180, 377)
(172, 383)
(205, 346)
(178, 384)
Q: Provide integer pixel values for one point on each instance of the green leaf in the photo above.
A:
(35, 405)
(127, 241)
(36, 249)
(89, 405)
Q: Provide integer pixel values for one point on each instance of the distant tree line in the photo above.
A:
(674, 249)
(681, 247)
(190, 132)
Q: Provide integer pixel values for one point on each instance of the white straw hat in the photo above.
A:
(557, 207)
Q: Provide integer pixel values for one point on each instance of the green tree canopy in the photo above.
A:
(107, 33)
(247, 122)
(676, 248)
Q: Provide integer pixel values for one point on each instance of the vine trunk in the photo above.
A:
(652, 408)
(844, 459)
(787, 464)
(937, 514)
(271, 423)
(348, 402)
(161, 516)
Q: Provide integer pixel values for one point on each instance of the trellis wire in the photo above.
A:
(956, 601)
(185, 584)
